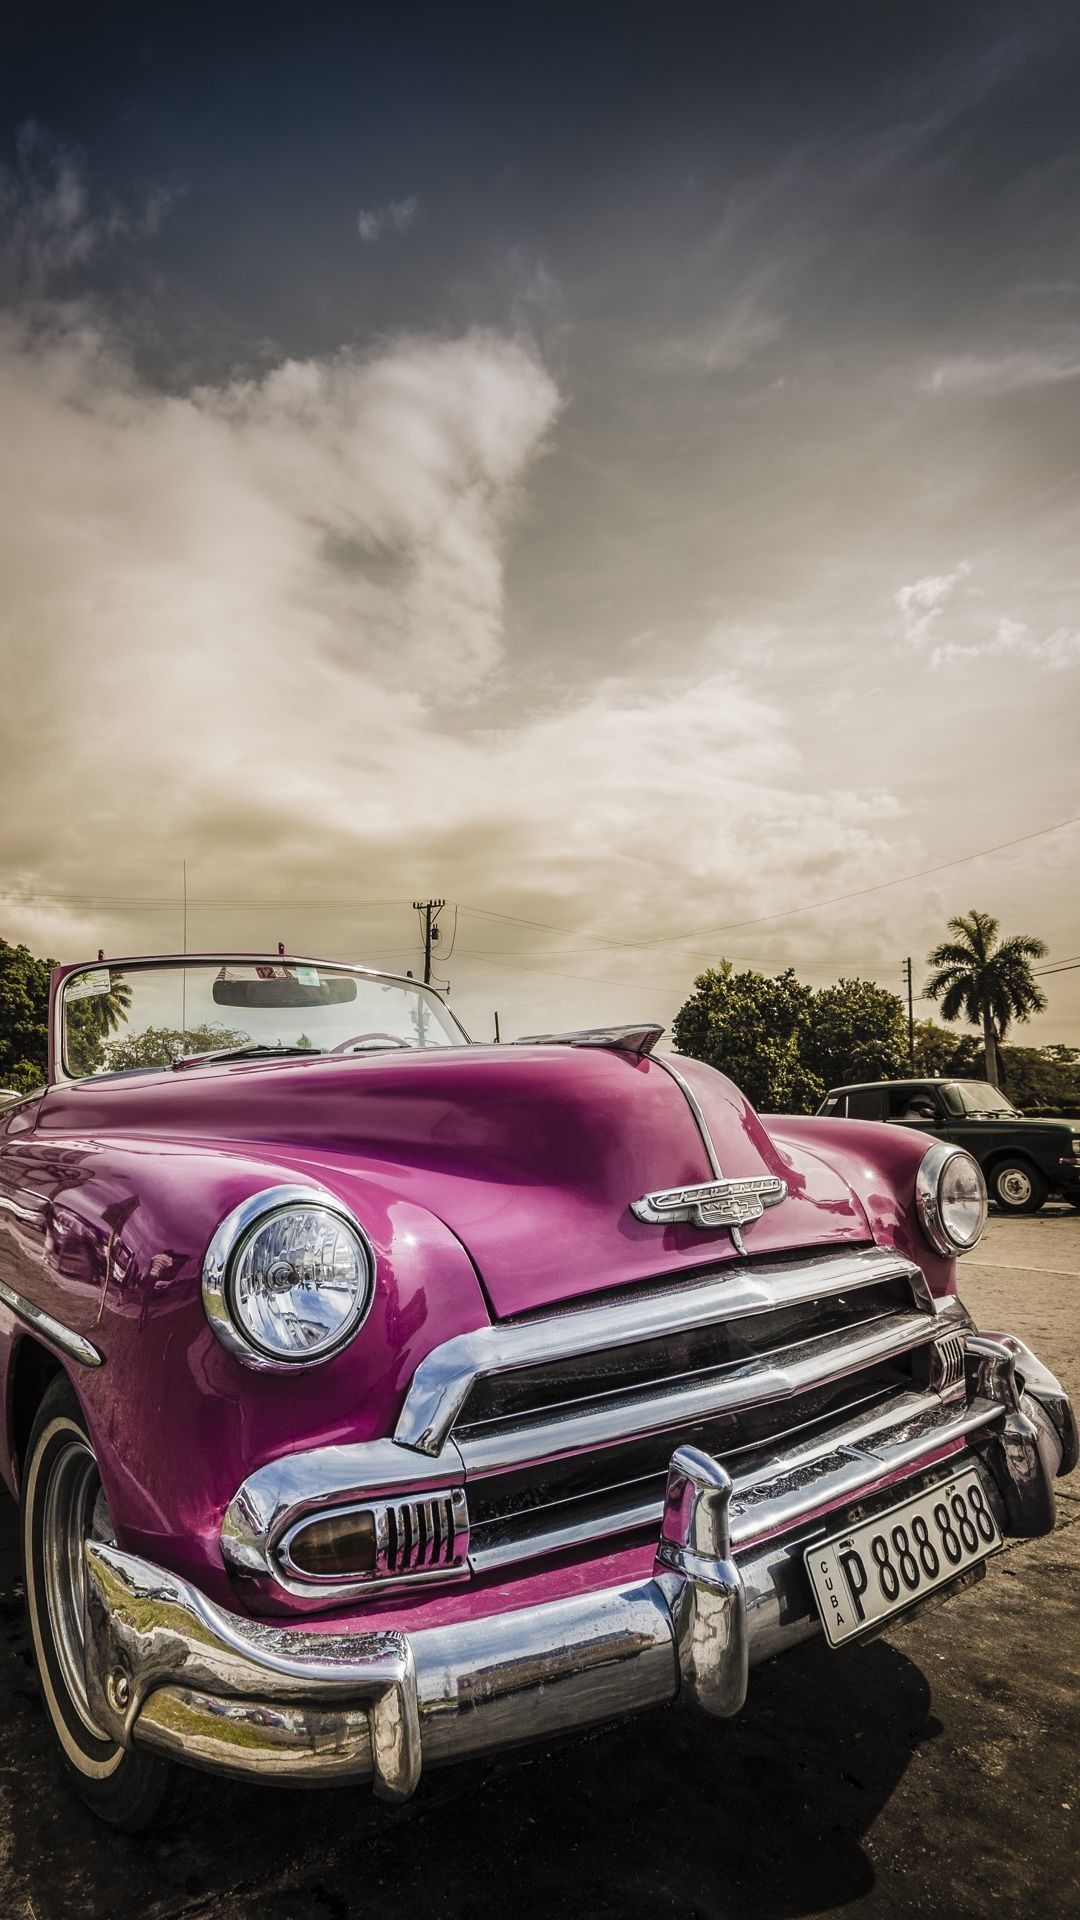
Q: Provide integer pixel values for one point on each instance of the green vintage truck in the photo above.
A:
(1023, 1160)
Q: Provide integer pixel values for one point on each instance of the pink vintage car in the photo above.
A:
(374, 1398)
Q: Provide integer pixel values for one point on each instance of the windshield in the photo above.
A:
(121, 1019)
(979, 1097)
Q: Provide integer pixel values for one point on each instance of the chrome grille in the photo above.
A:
(419, 1534)
(947, 1364)
(564, 1422)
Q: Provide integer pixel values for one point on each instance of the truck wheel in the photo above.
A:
(62, 1506)
(1018, 1186)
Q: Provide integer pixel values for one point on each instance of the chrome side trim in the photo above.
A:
(749, 1384)
(444, 1379)
(70, 1343)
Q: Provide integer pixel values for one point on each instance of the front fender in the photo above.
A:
(177, 1421)
(879, 1163)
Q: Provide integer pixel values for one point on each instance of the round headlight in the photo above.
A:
(950, 1194)
(288, 1278)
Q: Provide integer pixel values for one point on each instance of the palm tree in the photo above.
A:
(985, 981)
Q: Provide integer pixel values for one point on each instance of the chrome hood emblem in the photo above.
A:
(709, 1203)
(715, 1203)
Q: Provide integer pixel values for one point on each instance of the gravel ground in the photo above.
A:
(934, 1771)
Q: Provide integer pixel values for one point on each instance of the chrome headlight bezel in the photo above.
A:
(227, 1247)
(932, 1207)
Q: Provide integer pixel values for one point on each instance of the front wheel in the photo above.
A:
(1018, 1186)
(63, 1506)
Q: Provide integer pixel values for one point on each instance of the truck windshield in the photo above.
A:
(122, 1019)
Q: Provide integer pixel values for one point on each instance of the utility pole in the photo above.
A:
(910, 1014)
(428, 908)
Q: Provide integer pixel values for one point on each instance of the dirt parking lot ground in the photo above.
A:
(936, 1771)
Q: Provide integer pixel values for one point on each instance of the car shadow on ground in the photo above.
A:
(668, 1812)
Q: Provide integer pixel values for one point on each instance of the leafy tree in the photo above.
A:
(160, 1046)
(751, 1027)
(1042, 1077)
(855, 1031)
(987, 982)
(24, 1018)
(949, 1055)
(88, 1024)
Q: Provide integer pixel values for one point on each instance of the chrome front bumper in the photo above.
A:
(169, 1670)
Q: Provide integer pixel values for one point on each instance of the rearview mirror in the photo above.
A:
(287, 992)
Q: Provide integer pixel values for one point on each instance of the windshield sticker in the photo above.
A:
(87, 986)
(259, 970)
(308, 976)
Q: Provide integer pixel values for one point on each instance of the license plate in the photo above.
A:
(877, 1569)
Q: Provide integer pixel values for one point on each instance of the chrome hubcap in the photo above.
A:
(75, 1511)
(1014, 1186)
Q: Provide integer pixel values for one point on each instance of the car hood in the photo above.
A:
(531, 1155)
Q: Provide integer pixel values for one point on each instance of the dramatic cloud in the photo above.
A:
(924, 602)
(978, 636)
(247, 618)
(396, 216)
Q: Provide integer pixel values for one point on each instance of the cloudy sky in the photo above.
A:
(622, 479)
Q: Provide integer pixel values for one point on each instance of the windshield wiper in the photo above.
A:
(252, 1051)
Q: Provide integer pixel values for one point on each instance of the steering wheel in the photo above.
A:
(355, 1039)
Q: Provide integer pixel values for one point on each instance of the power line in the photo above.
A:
(859, 893)
(731, 926)
(165, 904)
(604, 942)
(168, 903)
(743, 959)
